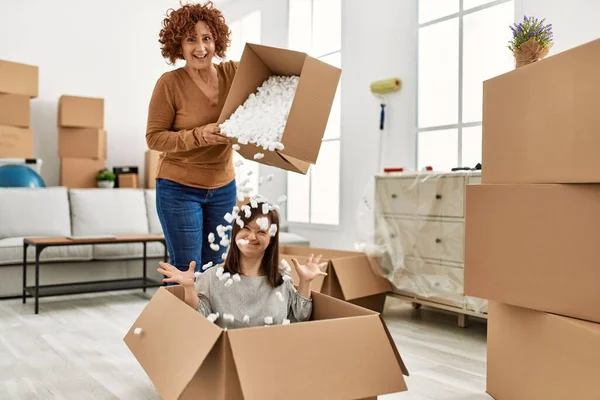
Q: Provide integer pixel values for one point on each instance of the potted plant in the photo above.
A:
(531, 40)
(105, 178)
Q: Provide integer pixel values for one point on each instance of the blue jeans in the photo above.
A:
(188, 215)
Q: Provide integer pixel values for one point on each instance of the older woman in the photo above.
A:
(195, 185)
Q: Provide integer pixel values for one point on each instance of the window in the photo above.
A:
(315, 27)
(461, 44)
(245, 30)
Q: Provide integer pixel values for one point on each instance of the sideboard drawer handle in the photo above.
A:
(394, 196)
(438, 240)
(438, 196)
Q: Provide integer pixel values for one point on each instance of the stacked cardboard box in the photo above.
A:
(18, 85)
(81, 140)
(151, 163)
(532, 228)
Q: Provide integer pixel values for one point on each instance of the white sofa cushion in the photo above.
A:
(108, 211)
(34, 212)
(11, 252)
(153, 221)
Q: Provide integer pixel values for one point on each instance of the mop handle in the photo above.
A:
(382, 117)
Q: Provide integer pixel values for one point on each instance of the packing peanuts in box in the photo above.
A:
(79, 173)
(82, 143)
(80, 112)
(349, 276)
(310, 109)
(535, 246)
(14, 110)
(16, 142)
(533, 355)
(540, 122)
(412, 230)
(343, 352)
(19, 78)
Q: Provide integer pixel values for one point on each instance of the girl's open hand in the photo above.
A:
(184, 278)
(311, 269)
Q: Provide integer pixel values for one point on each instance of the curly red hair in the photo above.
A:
(180, 24)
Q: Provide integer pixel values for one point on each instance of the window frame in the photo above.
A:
(316, 225)
(460, 124)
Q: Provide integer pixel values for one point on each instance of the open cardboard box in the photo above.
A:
(350, 276)
(310, 109)
(188, 357)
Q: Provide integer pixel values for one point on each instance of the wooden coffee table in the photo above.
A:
(40, 243)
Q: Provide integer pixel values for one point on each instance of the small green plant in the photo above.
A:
(106, 175)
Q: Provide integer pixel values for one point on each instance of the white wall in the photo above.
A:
(574, 22)
(103, 49)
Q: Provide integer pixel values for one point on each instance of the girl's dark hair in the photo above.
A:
(270, 262)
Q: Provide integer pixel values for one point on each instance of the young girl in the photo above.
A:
(249, 289)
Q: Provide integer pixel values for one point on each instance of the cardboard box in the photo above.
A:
(538, 356)
(16, 142)
(77, 173)
(18, 78)
(151, 164)
(303, 360)
(540, 122)
(349, 276)
(80, 112)
(128, 181)
(82, 143)
(14, 110)
(535, 246)
(310, 110)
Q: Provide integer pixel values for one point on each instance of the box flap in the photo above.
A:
(314, 97)
(166, 317)
(327, 307)
(280, 61)
(273, 158)
(317, 283)
(357, 279)
(318, 364)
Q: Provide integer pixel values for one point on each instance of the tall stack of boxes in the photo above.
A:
(533, 228)
(81, 140)
(18, 85)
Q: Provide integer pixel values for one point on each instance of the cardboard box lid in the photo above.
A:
(164, 318)
(535, 355)
(355, 367)
(310, 108)
(350, 269)
(19, 78)
(80, 112)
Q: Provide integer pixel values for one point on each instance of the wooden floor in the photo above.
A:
(74, 350)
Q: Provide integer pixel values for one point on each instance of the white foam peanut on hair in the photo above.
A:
(273, 230)
(211, 237)
(263, 223)
(253, 203)
(214, 246)
(247, 210)
(265, 208)
(240, 222)
(269, 320)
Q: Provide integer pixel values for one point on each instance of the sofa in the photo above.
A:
(58, 211)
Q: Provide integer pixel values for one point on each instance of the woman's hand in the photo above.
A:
(311, 269)
(184, 278)
(211, 134)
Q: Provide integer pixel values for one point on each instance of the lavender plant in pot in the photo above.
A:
(105, 179)
(531, 40)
